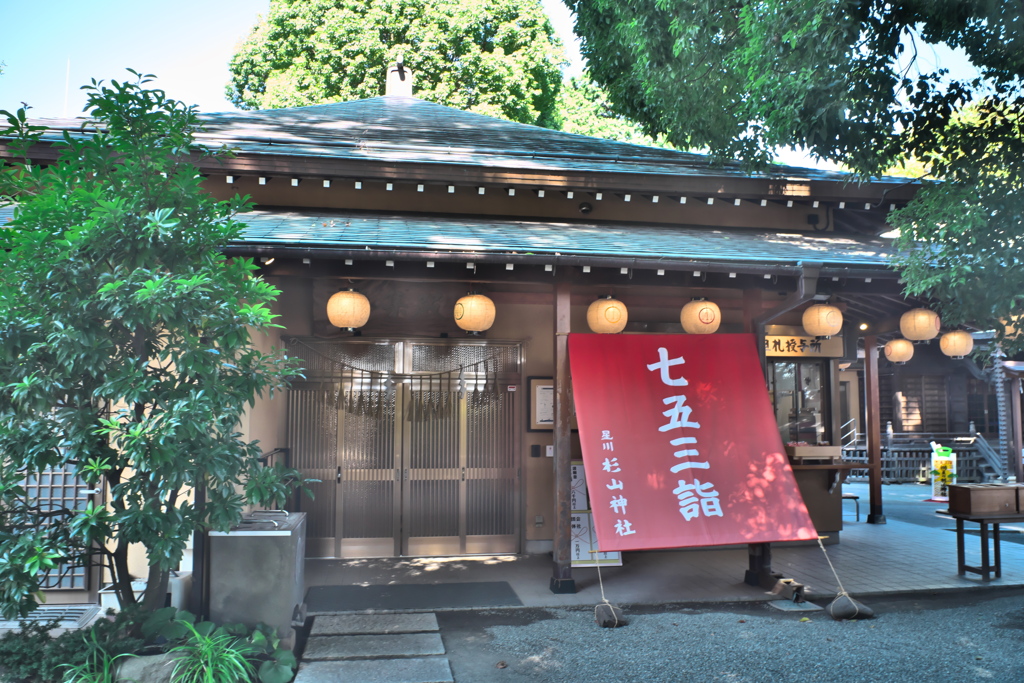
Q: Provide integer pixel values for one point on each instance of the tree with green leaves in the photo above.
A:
(494, 57)
(126, 347)
(583, 109)
(849, 81)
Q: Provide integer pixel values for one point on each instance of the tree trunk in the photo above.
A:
(121, 579)
(156, 589)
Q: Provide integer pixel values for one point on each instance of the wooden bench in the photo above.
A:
(983, 521)
(856, 501)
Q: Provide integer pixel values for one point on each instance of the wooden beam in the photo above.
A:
(753, 306)
(873, 427)
(561, 578)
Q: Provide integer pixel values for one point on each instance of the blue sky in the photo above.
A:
(186, 43)
(50, 50)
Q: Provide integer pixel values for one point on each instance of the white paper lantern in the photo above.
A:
(607, 316)
(899, 351)
(700, 317)
(822, 320)
(920, 324)
(956, 344)
(474, 313)
(348, 309)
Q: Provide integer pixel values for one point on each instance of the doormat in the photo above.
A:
(411, 596)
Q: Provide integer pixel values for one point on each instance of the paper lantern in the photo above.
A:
(956, 344)
(348, 309)
(474, 313)
(899, 351)
(920, 324)
(822, 320)
(700, 317)
(607, 316)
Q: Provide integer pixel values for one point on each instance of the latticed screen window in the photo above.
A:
(55, 489)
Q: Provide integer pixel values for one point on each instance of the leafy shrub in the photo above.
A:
(99, 665)
(31, 654)
(20, 650)
(220, 654)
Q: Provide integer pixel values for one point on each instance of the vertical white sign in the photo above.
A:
(578, 494)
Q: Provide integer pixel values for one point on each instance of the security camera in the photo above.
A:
(586, 207)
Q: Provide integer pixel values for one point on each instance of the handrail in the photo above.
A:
(991, 457)
(920, 442)
(843, 433)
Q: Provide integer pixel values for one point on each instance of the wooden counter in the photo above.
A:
(820, 487)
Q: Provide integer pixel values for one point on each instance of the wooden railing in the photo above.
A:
(906, 457)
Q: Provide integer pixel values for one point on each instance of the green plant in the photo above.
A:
(126, 340)
(99, 666)
(260, 646)
(212, 654)
(20, 650)
(31, 654)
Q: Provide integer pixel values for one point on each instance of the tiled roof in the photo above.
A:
(358, 231)
(410, 130)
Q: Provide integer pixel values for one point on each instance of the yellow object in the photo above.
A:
(474, 313)
(607, 316)
(956, 344)
(899, 351)
(348, 309)
(920, 324)
(822, 320)
(701, 317)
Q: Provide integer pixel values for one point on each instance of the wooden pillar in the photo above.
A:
(759, 555)
(561, 578)
(873, 427)
(1016, 465)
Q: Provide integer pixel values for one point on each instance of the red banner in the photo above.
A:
(680, 443)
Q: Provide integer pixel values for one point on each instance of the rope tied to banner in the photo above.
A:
(858, 609)
(612, 609)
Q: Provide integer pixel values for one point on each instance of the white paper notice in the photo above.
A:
(583, 544)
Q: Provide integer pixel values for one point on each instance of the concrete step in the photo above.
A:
(407, 670)
(370, 646)
(366, 624)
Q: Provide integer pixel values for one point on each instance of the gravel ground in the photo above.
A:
(947, 638)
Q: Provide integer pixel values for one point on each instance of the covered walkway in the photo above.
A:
(914, 551)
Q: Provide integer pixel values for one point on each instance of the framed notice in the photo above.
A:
(541, 395)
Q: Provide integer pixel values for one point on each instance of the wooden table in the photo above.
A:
(983, 522)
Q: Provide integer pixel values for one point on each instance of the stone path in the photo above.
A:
(375, 648)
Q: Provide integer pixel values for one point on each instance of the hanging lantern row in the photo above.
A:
(475, 313)
(922, 324)
(609, 316)
(348, 309)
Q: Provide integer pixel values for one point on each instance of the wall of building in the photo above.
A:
(424, 308)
